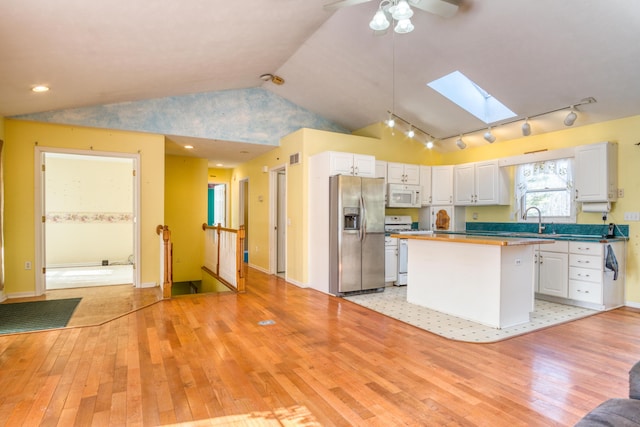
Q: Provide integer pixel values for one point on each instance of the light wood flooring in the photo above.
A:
(317, 360)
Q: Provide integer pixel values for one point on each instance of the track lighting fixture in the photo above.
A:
(526, 127)
(571, 117)
(410, 133)
(429, 145)
(488, 136)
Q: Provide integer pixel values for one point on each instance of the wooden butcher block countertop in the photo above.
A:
(476, 240)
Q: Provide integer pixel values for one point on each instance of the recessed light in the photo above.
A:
(40, 88)
(219, 164)
(188, 147)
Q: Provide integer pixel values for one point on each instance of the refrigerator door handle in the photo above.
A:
(363, 223)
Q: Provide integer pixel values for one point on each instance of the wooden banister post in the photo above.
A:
(168, 260)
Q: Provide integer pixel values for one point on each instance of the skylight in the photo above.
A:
(466, 94)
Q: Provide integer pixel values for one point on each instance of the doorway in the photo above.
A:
(88, 204)
(217, 205)
(278, 238)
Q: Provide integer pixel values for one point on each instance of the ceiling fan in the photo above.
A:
(444, 8)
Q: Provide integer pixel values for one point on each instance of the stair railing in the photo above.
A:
(166, 260)
(223, 255)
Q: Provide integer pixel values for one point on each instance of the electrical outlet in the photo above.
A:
(27, 265)
(518, 261)
(620, 193)
(632, 216)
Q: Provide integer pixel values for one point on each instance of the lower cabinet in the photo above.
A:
(582, 273)
(553, 262)
(390, 259)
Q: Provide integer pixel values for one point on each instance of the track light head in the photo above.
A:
(571, 117)
(410, 133)
(489, 137)
(460, 143)
(429, 144)
(526, 128)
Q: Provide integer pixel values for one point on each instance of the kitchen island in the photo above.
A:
(485, 279)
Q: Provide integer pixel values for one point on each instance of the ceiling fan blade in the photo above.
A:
(443, 8)
(343, 3)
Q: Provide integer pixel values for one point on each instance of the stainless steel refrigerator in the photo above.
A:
(356, 234)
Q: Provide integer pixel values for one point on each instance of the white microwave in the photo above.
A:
(403, 196)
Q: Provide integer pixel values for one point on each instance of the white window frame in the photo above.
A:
(521, 192)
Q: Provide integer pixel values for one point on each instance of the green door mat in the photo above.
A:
(36, 315)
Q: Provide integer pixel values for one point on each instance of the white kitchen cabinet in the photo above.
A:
(381, 170)
(390, 259)
(553, 269)
(401, 173)
(442, 185)
(481, 183)
(596, 172)
(350, 164)
(425, 183)
(590, 281)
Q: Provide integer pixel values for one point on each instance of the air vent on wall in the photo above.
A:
(294, 159)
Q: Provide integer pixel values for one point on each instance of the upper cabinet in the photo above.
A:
(351, 164)
(401, 173)
(425, 183)
(482, 183)
(442, 185)
(596, 172)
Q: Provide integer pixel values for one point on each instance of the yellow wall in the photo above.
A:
(185, 210)
(20, 140)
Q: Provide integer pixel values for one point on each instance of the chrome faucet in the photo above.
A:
(540, 226)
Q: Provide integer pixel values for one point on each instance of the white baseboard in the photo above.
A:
(632, 304)
(3, 297)
(265, 271)
(21, 295)
(295, 282)
(148, 285)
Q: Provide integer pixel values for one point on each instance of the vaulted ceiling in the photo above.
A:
(534, 55)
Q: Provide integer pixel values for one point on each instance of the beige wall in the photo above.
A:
(21, 137)
(89, 199)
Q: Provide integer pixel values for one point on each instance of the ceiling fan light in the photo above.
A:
(526, 128)
(401, 10)
(379, 22)
(571, 118)
(404, 26)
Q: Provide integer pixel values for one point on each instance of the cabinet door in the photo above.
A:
(390, 263)
(442, 185)
(486, 175)
(554, 273)
(464, 185)
(364, 165)
(425, 183)
(341, 163)
(395, 173)
(412, 174)
(381, 170)
(595, 173)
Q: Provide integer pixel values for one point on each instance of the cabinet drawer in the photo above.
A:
(556, 246)
(586, 261)
(586, 248)
(586, 274)
(585, 291)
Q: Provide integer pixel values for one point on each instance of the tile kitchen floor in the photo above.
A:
(393, 303)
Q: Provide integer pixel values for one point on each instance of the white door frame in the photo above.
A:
(273, 217)
(39, 208)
